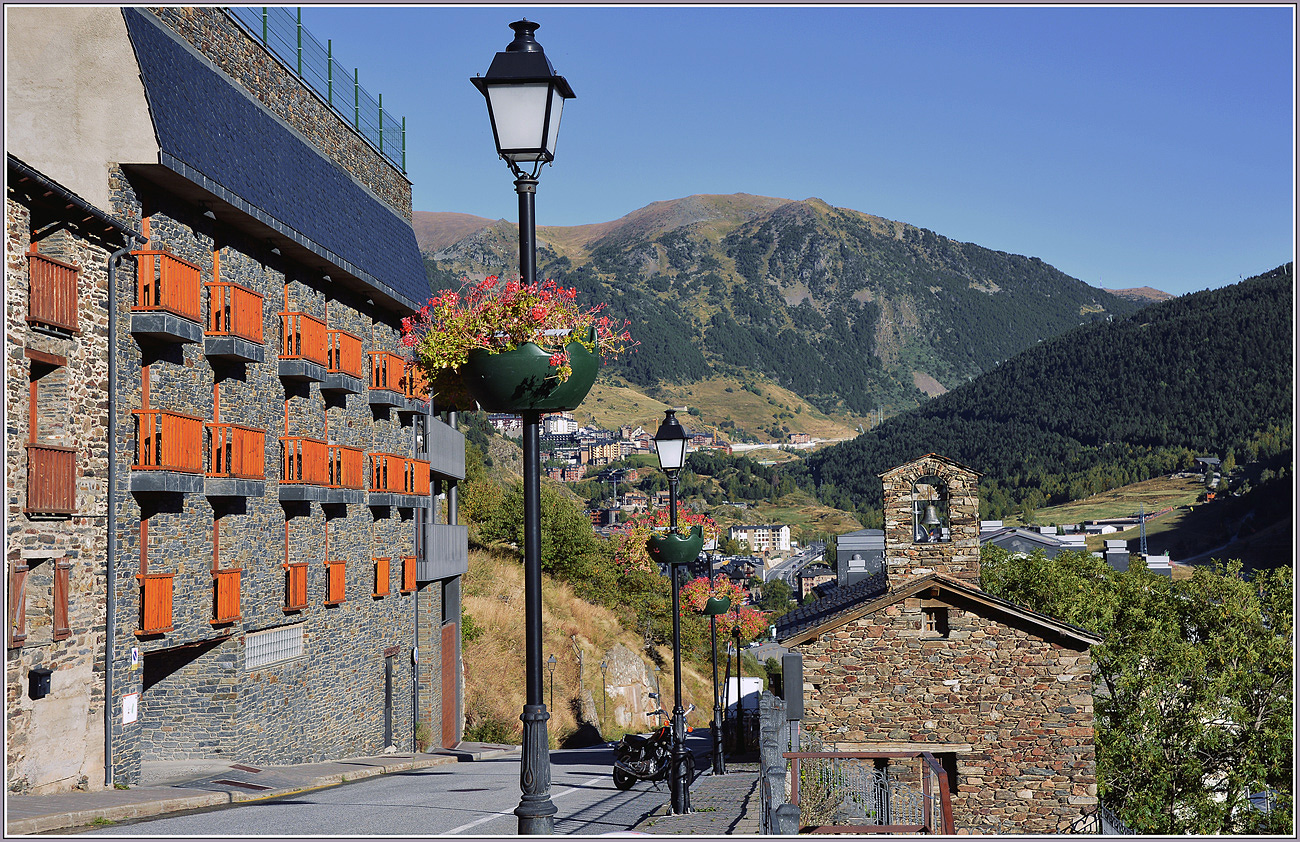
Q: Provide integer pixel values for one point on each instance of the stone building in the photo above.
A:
(259, 532)
(920, 659)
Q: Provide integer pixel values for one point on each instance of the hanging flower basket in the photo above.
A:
(525, 378)
(513, 346)
(677, 547)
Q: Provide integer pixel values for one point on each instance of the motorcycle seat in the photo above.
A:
(636, 739)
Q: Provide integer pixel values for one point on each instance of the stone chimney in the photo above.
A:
(932, 520)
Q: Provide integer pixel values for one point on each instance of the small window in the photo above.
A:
(934, 621)
(272, 646)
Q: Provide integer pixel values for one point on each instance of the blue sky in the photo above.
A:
(1125, 146)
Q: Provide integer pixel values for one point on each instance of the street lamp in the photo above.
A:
(525, 99)
(716, 605)
(550, 665)
(670, 448)
(604, 691)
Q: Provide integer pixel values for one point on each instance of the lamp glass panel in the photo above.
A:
(553, 127)
(671, 453)
(519, 114)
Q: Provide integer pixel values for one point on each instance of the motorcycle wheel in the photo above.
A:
(623, 780)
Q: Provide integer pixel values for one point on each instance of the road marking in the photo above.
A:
(492, 816)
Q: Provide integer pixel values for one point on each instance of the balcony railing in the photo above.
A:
(408, 573)
(225, 585)
(335, 582)
(295, 586)
(828, 786)
(382, 576)
(304, 460)
(236, 451)
(347, 467)
(343, 353)
(386, 371)
(52, 292)
(168, 441)
(234, 310)
(414, 384)
(416, 480)
(51, 480)
(387, 472)
(155, 603)
(167, 283)
(302, 337)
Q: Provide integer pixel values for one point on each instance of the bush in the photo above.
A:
(488, 728)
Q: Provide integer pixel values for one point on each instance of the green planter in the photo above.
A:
(523, 379)
(677, 547)
(447, 389)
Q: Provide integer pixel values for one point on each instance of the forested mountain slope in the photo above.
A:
(1101, 405)
(850, 311)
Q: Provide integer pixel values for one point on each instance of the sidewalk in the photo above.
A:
(173, 786)
(725, 805)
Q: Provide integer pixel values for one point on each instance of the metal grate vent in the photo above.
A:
(272, 646)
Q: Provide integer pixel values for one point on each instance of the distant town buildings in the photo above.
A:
(765, 539)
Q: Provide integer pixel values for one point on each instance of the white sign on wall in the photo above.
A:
(130, 708)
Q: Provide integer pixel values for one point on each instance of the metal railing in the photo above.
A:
(1101, 821)
(280, 30)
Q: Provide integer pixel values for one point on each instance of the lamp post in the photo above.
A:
(525, 100)
(712, 608)
(604, 691)
(670, 448)
(550, 665)
(740, 695)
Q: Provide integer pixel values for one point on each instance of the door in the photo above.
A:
(449, 717)
(388, 700)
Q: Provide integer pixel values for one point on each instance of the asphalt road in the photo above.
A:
(475, 798)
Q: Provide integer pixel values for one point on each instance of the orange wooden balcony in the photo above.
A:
(304, 460)
(414, 384)
(386, 370)
(302, 337)
(236, 451)
(51, 480)
(343, 353)
(52, 292)
(155, 603)
(408, 573)
(416, 479)
(225, 584)
(336, 582)
(168, 441)
(234, 310)
(382, 576)
(167, 283)
(387, 472)
(347, 467)
(295, 586)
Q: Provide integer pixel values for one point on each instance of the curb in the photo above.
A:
(169, 803)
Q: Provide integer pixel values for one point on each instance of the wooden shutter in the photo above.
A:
(62, 581)
(17, 605)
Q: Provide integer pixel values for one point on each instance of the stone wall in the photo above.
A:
(56, 743)
(957, 557)
(1014, 709)
(197, 697)
(253, 67)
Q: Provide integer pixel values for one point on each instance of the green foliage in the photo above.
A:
(567, 537)
(776, 599)
(1099, 407)
(488, 728)
(470, 631)
(1194, 685)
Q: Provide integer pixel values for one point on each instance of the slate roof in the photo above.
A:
(869, 595)
(215, 134)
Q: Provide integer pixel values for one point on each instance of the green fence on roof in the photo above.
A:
(280, 30)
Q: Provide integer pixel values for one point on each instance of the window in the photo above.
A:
(934, 621)
(272, 646)
(39, 592)
(51, 461)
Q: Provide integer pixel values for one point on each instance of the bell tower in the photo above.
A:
(932, 520)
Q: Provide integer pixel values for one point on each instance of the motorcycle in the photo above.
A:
(642, 757)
